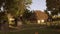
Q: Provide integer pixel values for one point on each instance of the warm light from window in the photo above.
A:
(42, 20)
(38, 21)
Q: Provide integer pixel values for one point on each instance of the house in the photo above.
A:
(39, 17)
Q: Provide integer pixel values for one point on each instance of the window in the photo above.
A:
(38, 21)
(42, 20)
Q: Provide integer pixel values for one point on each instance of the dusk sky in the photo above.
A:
(38, 5)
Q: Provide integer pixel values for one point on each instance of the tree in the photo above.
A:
(53, 6)
(14, 7)
(28, 16)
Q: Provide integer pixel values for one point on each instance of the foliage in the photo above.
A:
(53, 6)
(27, 14)
(16, 7)
(46, 12)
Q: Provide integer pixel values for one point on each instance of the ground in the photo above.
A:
(35, 30)
(38, 31)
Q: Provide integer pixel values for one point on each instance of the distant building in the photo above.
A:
(39, 17)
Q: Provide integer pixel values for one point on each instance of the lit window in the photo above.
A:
(38, 21)
(42, 20)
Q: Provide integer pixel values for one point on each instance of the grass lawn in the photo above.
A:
(31, 30)
(38, 31)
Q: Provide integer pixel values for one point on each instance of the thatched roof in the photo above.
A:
(40, 15)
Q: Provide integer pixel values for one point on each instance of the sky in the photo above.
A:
(38, 5)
